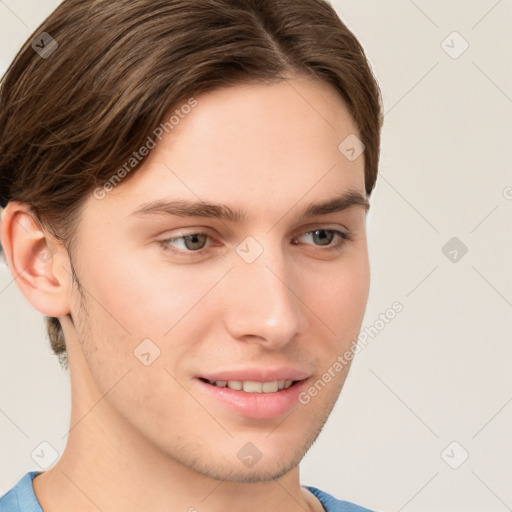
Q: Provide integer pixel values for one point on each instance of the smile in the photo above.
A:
(252, 386)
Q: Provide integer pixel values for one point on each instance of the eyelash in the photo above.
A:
(344, 236)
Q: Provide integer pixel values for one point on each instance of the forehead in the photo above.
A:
(264, 123)
(259, 147)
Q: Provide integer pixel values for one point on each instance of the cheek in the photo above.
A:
(149, 298)
(124, 308)
(338, 304)
(340, 295)
(130, 303)
(353, 287)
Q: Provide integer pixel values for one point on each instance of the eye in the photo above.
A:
(188, 244)
(194, 242)
(324, 237)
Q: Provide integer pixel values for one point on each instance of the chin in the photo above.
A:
(271, 465)
(261, 472)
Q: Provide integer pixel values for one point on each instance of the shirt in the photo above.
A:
(21, 498)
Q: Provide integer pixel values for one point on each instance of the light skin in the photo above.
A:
(147, 437)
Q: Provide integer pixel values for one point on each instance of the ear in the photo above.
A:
(38, 262)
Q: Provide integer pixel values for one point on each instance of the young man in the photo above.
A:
(185, 187)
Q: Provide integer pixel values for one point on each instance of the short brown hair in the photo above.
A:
(72, 116)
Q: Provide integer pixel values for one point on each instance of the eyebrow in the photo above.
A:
(184, 208)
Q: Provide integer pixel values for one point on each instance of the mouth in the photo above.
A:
(251, 386)
(258, 400)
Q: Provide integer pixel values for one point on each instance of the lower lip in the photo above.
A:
(259, 406)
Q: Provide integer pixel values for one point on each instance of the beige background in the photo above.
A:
(440, 371)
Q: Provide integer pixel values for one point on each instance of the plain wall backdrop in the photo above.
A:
(424, 421)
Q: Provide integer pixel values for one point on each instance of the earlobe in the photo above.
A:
(33, 257)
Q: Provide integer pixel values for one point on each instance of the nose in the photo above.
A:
(260, 303)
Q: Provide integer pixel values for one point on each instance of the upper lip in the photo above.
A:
(257, 374)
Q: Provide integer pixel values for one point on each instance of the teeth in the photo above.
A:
(254, 387)
(234, 384)
(269, 387)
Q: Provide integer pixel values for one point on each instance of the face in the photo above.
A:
(261, 291)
